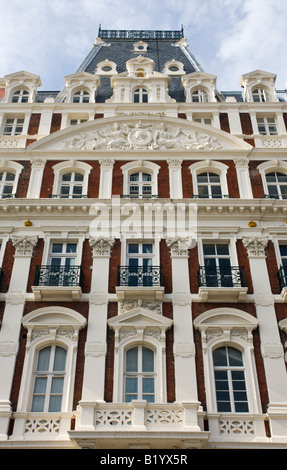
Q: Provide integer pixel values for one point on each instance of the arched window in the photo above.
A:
(81, 96)
(139, 383)
(49, 377)
(140, 185)
(209, 185)
(260, 95)
(140, 95)
(71, 185)
(7, 184)
(277, 185)
(71, 180)
(199, 96)
(20, 96)
(229, 375)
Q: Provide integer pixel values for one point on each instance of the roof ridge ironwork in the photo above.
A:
(140, 34)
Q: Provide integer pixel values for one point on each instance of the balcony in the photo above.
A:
(134, 281)
(57, 283)
(142, 196)
(226, 284)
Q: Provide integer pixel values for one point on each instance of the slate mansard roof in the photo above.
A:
(163, 46)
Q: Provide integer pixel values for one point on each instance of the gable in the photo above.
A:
(139, 133)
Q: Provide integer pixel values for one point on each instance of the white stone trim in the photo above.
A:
(213, 166)
(72, 165)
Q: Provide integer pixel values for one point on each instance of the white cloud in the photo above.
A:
(228, 37)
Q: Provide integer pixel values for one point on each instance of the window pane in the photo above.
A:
(283, 250)
(235, 357)
(57, 247)
(79, 177)
(44, 359)
(57, 385)
(219, 357)
(10, 177)
(271, 178)
(71, 248)
(203, 191)
(214, 178)
(133, 248)
(38, 403)
(147, 359)
(134, 177)
(209, 249)
(146, 177)
(55, 403)
(222, 249)
(132, 360)
(60, 359)
(281, 177)
(40, 385)
(147, 248)
(202, 178)
(67, 177)
(216, 191)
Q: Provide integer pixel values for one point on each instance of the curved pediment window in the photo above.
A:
(71, 180)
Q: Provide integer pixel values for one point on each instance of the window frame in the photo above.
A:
(15, 168)
(266, 125)
(141, 92)
(14, 124)
(139, 374)
(270, 167)
(70, 167)
(145, 167)
(212, 167)
(20, 95)
(229, 327)
(47, 326)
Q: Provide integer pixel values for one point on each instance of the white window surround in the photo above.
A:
(111, 68)
(63, 238)
(209, 166)
(174, 68)
(71, 166)
(149, 331)
(140, 166)
(12, 167)
(270, 167)
(228, 327)
(260, 94)
(46, 326)
(231, 242)
(156, 249)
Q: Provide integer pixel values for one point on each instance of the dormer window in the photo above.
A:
(140, 95)
(260, 95)
(20, 96)
(81, 96)
(140, 47)
(199, 96)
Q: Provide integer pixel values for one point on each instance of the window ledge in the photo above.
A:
(139, 292)
(60, 293)
(222, 294)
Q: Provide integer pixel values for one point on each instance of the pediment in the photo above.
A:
(225, 318)
(140, 318)
(139, 133)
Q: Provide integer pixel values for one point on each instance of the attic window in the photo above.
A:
(140, 46)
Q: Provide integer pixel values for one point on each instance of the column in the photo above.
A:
(184, 348)
(271, 347)
(36, 177)
(175, 179)
(95, 351)
(106, 176)
(11, 324)
(243, 177)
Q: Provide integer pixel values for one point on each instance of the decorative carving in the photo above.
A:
(24, 245)
(101, 246)
(241, 162)
(128, 305)
(38, 162)
(126, 333)
(255, 246)
(142, 136)
(107, 162)
(179, 246)
(213, 333)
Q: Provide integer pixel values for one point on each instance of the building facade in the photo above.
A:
(143, 254)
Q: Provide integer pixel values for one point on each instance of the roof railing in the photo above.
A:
(139, 34)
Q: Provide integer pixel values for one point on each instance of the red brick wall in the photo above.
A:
(34, 124)
(256, 181)
(272, 267)
(23, 183)
(170, 374)
(165, 262)
(243, 261)
(246, 123)
(56, 123)
(7, 267)
(224, 122)
(2, 93)
(115, 261)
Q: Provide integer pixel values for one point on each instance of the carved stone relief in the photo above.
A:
(142, 136)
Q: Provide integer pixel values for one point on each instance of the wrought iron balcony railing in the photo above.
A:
(68, 196)
(139, 34)
(57, 276)
(220, 196)
(227, 276)
(282, 276)
(139, 276)
(144, 196)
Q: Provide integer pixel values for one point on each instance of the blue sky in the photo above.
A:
(228, 37)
